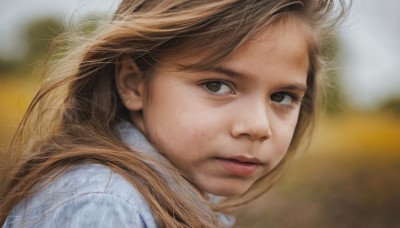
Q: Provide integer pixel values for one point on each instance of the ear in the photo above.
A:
(130, 83)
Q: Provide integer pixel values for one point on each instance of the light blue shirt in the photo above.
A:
(85, 196)
(90, 195)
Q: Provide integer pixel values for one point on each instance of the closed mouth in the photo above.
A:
(244, 160)
(239, 165)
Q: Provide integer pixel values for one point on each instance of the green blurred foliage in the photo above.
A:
(40, 34)
(334, 102)
(8, 66)
(90, 23)
(45, 39)
(392, 105)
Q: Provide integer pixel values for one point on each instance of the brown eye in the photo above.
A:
(278, 97)
(213, 86)
(217, 88)
(283, 98)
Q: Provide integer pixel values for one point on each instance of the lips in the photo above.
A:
(239, 165)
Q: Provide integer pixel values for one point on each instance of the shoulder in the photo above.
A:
(90, 194)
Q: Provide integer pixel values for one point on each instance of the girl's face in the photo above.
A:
(227, 127)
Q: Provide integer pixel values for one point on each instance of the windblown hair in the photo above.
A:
(73, 117)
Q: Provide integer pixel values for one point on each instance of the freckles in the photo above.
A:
(198, 139)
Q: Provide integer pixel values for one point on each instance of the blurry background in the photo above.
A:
(350, 175)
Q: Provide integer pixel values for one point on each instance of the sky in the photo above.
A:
(14, 14)
(370, 40)
(370, 57)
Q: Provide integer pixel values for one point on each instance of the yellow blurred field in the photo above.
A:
(15, 96)
(370, 134)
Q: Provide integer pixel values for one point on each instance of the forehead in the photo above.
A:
(288, 38)
(276, 54)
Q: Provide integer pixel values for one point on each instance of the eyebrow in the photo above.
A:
(232, 73)
(295, 87)
(228, 72)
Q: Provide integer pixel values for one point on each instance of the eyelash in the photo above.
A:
(221, 83)
(294, 96)
(295, 99)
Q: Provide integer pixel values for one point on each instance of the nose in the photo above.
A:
(252, 122)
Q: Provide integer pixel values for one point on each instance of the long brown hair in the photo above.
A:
(73, 117)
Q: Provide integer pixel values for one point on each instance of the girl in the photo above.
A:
(169, 106)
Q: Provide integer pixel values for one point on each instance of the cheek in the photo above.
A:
(179, 130)
(197, 131)
(283, 136)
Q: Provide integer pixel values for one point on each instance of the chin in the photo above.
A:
(227, 190)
